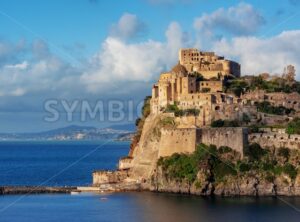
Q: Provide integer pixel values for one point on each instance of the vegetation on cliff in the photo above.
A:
(217, 165)
(181, 112)
(293, 127)
(266, 107)
(250, 83)
(231, 123)
(140, 123)
(225, 123)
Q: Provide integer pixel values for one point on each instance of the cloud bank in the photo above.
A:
(123, 67)
(242, 19)
(128, 27)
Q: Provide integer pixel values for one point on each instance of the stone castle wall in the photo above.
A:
(233, 137)
(211, 86)
(105, 177)
(185, 140)
(275, 139)
(177, 141)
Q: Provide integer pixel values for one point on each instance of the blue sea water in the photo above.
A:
(71, 163)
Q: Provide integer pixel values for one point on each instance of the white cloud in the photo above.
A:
(36, 75)
(21, 66)
(242, 19)
(120, 67)
(258, 55)
(128, 26)
(119, 61)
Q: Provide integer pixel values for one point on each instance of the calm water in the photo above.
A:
(33, 163)
(56, 163)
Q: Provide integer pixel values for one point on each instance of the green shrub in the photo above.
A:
(244, 167)
(179, 112)
(146, 107)
(270, 178)
(217, 123)
(255, 152)
(277, 170)
(267, 166)
(171, 108)
(223, 169)
(253, 129)
(237, 87)
(290, 170)
(246, 118)
(225, 123)
(167, 122)
(293, 127)
(266, 107)
(224, 149)
(179, 167)
(140, 121)
(284, 152)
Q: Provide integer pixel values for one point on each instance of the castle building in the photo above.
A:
(191, 91)
(208, 64)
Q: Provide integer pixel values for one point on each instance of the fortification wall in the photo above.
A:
(125, 163)
(213, 86)
(233, 137)
(185, 140)
(178, 141)
(275, 139)
(105, 177)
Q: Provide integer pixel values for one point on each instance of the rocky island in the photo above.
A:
(207, 130)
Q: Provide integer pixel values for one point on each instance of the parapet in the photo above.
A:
(275, 139)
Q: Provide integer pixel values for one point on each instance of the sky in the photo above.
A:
(66, 52)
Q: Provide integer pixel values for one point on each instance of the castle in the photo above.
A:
(190, 98)
(208, 63)
(197, 81)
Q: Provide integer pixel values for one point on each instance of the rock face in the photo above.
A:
(191, 139)
(139, 167)
(250, 185)
(140, 171)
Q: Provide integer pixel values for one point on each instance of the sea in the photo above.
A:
(71, 163)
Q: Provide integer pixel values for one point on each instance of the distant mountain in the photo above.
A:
(73, 132)
(128, 127)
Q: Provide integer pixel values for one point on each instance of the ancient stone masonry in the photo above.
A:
(233, 137)
(275, 138)
(178, 141)
(288, 100)
(183, 106)
(185, 140)
(208, 63)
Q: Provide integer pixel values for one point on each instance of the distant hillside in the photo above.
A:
(128, 127)
(73, 132)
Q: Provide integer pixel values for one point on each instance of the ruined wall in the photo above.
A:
(275, 139)
(178, 141)
(207, 63)
(125, 163)
(212, 86)
(185, 140)
(103, 177)
(233, 137)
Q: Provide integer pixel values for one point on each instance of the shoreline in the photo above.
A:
(28, 190)
(7, 190)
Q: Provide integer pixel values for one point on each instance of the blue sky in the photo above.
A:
(96, 49)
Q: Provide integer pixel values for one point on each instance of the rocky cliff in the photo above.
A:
(209, 170)
(271, 175)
